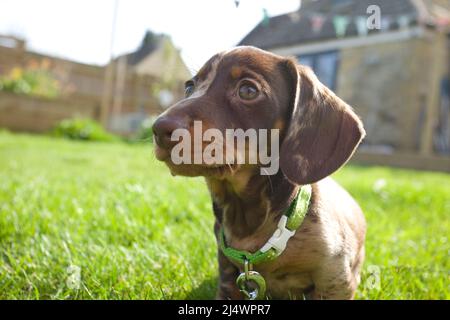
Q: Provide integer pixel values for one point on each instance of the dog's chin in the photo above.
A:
(201, 170)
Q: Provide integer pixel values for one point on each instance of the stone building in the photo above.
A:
(156, 57)
(396, 75)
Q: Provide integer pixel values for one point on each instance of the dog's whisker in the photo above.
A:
(268, 178)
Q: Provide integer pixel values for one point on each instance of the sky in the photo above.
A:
(81, 29)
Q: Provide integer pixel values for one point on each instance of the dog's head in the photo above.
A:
(248, 88)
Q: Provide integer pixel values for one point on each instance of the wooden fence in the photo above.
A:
(32, 114)
(132, 96)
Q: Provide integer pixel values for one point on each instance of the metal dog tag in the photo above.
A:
(252, 285)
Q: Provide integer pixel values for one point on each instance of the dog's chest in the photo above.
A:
(289, 275)
(287, 285)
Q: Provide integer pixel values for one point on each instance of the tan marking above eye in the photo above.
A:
(236, 72)
(279, 124)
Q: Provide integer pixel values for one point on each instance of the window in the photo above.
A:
(325, 66)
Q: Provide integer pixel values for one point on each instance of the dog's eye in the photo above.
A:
(189, 88)
(248, 91)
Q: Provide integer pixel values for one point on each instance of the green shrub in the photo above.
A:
(34, 82)
(145, 133)
(83, 129)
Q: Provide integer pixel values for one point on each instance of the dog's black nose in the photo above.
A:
(163, 129)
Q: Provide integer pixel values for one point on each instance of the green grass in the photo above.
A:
(112, 212)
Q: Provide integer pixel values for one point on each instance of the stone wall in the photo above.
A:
(389, 86)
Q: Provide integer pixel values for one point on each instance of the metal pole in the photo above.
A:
(109, 73)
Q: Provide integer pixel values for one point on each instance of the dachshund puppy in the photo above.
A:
(248, 88)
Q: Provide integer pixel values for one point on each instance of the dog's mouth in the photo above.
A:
(161, 154)
(194, 170)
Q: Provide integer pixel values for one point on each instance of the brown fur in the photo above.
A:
(319, 133)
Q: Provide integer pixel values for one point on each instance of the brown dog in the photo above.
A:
(251, 88)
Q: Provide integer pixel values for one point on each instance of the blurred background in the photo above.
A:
(122, 62)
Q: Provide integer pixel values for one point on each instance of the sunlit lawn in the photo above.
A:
(111, 214)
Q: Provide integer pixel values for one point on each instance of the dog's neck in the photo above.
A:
(250, 204)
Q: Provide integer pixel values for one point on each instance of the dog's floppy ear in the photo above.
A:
(323, 132)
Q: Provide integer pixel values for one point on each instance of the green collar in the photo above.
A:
(289, 223)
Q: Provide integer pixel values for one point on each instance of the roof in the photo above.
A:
(150, 43)
(295, 27)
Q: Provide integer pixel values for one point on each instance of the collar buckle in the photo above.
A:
(280, 238)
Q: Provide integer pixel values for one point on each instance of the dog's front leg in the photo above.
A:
(227, 280)
(334, 281)
(228, 272)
